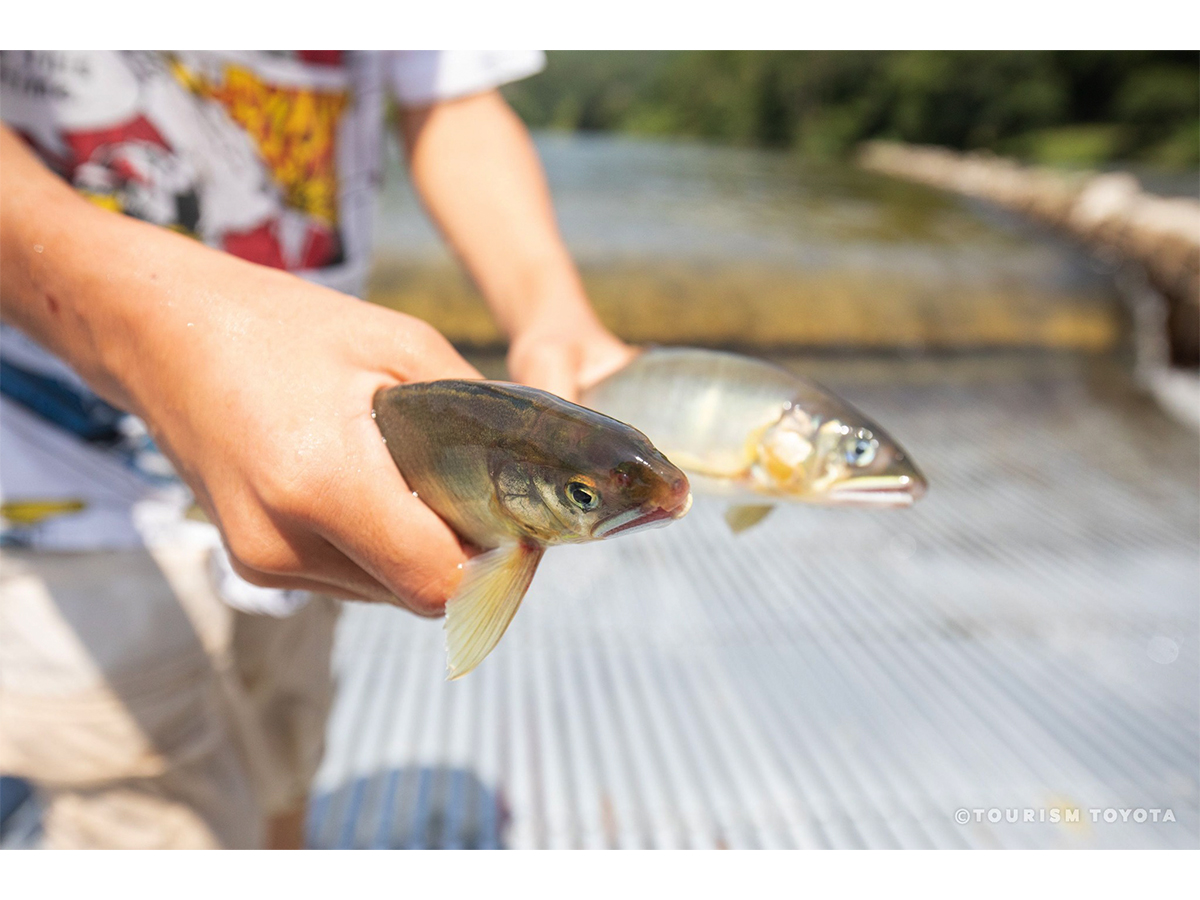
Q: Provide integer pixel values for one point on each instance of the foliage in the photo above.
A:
(1070, 107)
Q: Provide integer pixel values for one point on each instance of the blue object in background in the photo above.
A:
(13, 793)
(85, 415)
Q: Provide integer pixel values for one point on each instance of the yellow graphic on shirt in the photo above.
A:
(31, 512)
(294, 129)
(111, 202)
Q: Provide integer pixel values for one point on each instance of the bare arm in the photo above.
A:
(478, 174)
(256, 384)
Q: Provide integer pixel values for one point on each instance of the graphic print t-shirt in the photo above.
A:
(273, 157)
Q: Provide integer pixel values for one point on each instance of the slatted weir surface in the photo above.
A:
(1025, 638)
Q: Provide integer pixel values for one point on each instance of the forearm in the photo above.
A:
(50, 242)
(254, 383)
(478, 174)
(86, 283)
(115, 297)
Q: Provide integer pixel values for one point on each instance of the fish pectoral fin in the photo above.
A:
(493, 585)
(742, 517)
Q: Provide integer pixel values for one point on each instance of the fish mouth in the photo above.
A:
(897, 491)
(641, 519)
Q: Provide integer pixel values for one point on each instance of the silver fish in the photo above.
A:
(756, 434)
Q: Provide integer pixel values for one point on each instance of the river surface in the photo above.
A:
(685, 242)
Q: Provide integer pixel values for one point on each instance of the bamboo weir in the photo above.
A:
(1109, 211)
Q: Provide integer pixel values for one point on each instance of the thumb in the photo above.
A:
(389, 533)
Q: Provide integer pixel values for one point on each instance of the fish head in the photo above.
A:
(610, 480)
(823, 451)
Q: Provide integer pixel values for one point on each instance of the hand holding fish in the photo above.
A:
(265, 407)
(256, 384)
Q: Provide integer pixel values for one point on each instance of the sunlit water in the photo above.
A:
(683, 241)
(621, 198)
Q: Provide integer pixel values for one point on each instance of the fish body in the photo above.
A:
(756, 433)
(514, 470)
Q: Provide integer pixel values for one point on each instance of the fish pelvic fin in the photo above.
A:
(493, 585)
(742, 517)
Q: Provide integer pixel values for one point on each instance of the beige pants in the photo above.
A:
(146, 711)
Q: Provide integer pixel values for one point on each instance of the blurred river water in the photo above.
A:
(681, 242)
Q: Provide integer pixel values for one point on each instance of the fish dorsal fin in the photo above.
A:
(742, 517)
(493, 585)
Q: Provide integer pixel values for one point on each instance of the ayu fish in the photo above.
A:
(515, 470)
(756, 434)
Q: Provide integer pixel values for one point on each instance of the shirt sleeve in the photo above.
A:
(420, 77)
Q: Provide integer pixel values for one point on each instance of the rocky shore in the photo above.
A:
(1110, 212)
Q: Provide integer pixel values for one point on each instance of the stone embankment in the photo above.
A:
(1108, 211)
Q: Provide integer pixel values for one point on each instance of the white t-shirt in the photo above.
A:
(274, 157)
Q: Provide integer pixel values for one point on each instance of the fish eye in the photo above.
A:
(861, 448)
(582, 496)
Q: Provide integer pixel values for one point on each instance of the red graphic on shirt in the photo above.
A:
(84, 144)
(128, 168)
(263, 245)
(276, 204)
(320, 57)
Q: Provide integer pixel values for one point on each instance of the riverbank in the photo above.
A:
(1109, 212)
